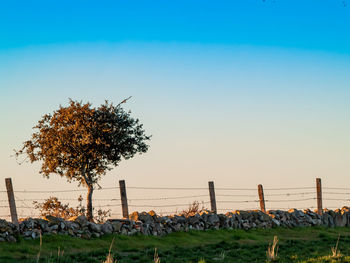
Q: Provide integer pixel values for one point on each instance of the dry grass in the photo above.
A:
(193, 209)
(156, 257)
(41, 244)
(272, 250)
(59, 252)
(109, 258)
(335, 250)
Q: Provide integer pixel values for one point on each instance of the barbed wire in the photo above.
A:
(61, 191)
(287, 194)
(117, 205)
(290, 200)
(111, 199)
(175, 188)
(332, 207)
(336, 188)
(335, 199)
(168, 198)
(220, 192)
(288, 208)
(266, 200)
(335, 193)
(288, 188)
(64, 199)
(165, 188)
(168, 205)
(235, 195)
(31, 207)
(230, 209)
(238, 201)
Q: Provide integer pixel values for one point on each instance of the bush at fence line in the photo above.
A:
(53, 207)
(193, 209)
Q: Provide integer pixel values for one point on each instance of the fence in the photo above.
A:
(176, 199)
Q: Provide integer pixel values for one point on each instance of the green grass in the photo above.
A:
(307, 245)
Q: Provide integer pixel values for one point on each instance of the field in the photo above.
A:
(295, 245)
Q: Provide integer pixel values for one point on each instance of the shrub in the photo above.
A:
(193, 209)
(52, 206)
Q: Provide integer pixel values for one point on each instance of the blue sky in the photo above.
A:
(312, 25)
(239, 92)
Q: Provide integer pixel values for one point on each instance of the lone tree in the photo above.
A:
(82, 143)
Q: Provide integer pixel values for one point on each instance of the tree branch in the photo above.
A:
(124, 101)
(84, 176)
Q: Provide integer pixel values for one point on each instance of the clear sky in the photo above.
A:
(239, 92)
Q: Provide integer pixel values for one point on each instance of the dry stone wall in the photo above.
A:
(153, 224)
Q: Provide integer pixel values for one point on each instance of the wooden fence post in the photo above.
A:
(261, 198)
(12, 202)
(212, 197)
(319, 196)
(124, 199)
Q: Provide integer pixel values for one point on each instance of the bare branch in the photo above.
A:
(124, 101)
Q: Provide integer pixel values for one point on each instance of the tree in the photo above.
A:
(82, 143)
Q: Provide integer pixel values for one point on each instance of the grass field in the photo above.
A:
(295, 245)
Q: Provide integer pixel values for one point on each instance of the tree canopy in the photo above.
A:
(82, 143)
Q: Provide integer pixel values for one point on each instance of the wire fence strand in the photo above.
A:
(227, 198)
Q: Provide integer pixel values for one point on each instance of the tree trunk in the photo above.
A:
(89, 214)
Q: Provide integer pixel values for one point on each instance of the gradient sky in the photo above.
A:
(239, 92)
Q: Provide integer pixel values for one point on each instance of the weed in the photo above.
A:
(335, 251)
(109, 258)
(272, 250)
(41, 243)
(54, 207)
(221, 257)
(193, 209)
(156, 257)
